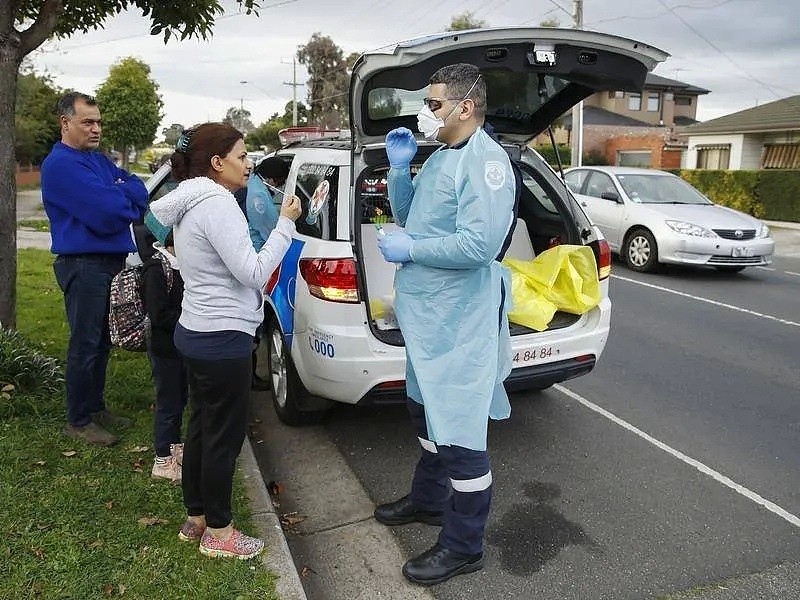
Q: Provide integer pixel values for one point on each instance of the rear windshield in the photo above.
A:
(510, 96)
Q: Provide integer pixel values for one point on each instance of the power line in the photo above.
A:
(715, 47)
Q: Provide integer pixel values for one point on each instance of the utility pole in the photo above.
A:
(577, 110)
(294, 85)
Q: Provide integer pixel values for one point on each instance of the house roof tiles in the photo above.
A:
(780, 115)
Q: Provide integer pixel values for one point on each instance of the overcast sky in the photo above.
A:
(747, 52)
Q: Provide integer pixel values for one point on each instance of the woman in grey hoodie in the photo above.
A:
(224, 279)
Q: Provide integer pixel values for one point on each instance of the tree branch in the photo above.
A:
(42, 27)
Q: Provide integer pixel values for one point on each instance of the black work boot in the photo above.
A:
(106, 418)
(440, 564)
(402, 512)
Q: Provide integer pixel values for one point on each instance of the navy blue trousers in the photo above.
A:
(85, 280)
(456, 481)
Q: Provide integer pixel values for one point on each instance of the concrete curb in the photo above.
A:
(277, 557)
(782, 224)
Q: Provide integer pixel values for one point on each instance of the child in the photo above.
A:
(163, 293)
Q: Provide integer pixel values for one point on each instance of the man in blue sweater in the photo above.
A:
(91, 204)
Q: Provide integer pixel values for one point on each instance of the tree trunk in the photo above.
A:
(9, 66)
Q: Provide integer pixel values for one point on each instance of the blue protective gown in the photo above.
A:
(458, 209)
(262, 213)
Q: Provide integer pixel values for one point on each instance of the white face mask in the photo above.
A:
(429, 124)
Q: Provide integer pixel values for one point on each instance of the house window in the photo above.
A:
(616, 94)
(781, 156)
(634, 158)
(714, 157)
(635, 101)
(653, 101)
(683, 101)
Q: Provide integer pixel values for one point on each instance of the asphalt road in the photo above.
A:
(586, 505)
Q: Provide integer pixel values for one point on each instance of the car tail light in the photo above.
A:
(332, 279)
(392, 385)
(604, 262)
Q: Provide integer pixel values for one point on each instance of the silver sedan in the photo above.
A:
(651, 217)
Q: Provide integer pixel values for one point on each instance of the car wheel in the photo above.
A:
(287, 389)
(726, 269)
(641, 251)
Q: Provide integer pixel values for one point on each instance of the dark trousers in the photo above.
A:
(172, 395)
(86, 282)
(456, 481)
(219, 393)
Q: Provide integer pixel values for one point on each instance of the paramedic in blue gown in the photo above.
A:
(450, 303)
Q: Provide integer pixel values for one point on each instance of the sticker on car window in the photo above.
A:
(318, 200)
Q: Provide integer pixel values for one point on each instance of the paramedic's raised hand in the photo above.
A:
(290, 207)
(400, 147)
(396, 246)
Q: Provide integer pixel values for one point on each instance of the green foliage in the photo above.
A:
(184, 19)
(239, 118)
(26, 375)
(130, 105)
(735, 189)
(35, 122)
(328, 81)
(549, 154)
(465, 21)
(71, 519)
(778, 192)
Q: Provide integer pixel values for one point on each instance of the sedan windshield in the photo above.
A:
(660, 189)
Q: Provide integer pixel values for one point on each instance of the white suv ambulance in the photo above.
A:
(329, 333)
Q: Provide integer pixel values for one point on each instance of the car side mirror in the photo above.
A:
(613, 196)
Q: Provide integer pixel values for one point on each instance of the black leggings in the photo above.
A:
(219, 392)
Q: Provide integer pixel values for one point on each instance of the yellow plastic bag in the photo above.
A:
(562, 278)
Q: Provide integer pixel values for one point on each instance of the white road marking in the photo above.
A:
(792, 273)
(709, 301)
(766, 268)
(716, 475)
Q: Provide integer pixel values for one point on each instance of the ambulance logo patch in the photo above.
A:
(495, 174)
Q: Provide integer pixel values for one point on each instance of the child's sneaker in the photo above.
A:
(177, 451)
(191, 531)
(166, 468)
(239, 546)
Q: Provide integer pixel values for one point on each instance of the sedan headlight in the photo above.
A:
(690, 229)
(763, 232)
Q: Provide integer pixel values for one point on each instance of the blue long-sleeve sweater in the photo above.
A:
(90, 202)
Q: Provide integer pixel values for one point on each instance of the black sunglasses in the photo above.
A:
(436, 103)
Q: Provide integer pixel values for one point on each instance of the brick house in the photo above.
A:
(636, 128)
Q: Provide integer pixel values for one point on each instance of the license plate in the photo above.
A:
(741, 251)
(534, 354)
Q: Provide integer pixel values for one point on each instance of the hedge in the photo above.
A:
(767, 194)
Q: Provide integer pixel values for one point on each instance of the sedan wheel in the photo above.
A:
(641, 251)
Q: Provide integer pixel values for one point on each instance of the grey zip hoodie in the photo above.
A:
(223, 276)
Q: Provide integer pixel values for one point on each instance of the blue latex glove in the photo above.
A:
(400, 147)
(396, 246)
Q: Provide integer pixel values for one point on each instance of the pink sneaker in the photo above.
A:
(166, 469)
(177, 451)
(190, 531)
(239, 546)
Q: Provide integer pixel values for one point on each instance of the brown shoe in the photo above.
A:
(105, 418)
(91, 433)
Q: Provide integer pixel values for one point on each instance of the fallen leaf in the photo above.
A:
(306, 571)
(291, 519)
(137, 466)
(109, 505)
(139, 449)
(39, 463)
(95, 544)
(69, 453)
(108, 589)
(148, 521)
(9, 387)
(121, 587)
(38, 552)
(5, 396)
(43, 527)
(275, 488)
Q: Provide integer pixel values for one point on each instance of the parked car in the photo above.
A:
(652, 217)
(329, 332)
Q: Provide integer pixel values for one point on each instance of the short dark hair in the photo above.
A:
(66, 104)
(458, 79)
(198, 145)
(273, 167)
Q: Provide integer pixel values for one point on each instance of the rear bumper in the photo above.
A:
(545, 375)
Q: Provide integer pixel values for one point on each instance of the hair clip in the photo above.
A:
(183, 141)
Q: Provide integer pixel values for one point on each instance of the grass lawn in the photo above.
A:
(35, 224)
(85, 522)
